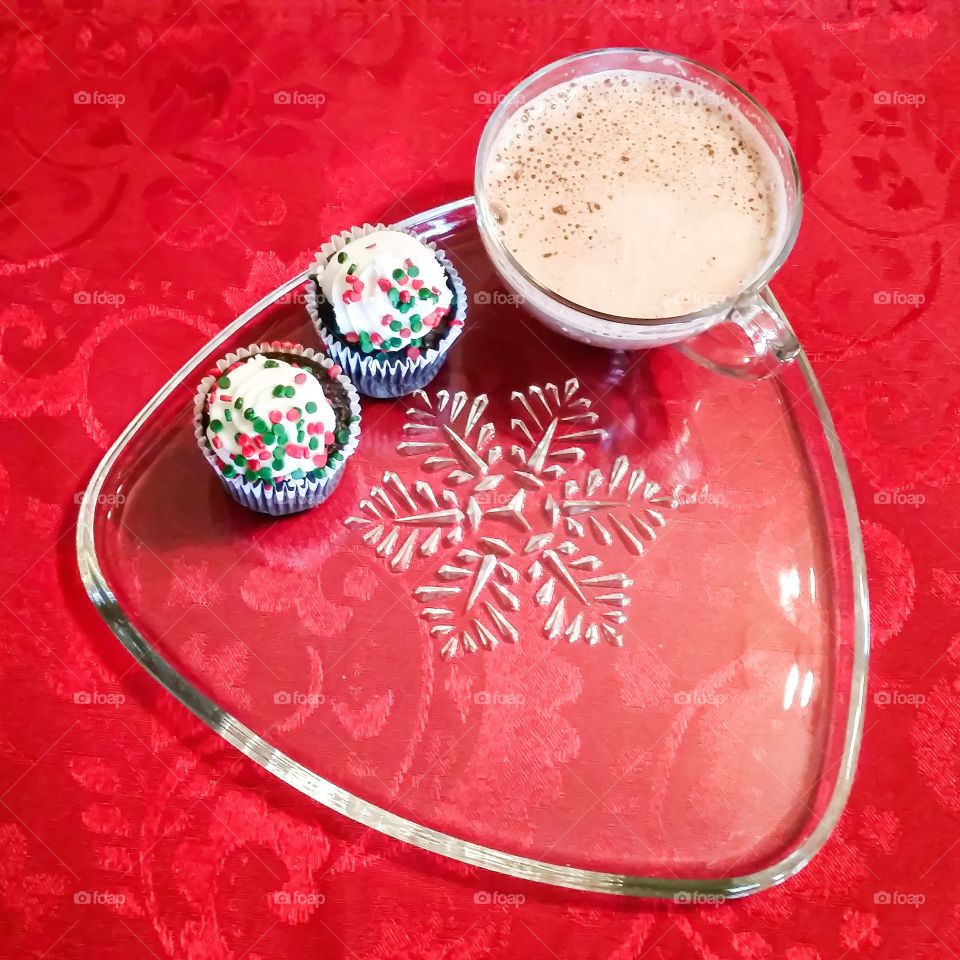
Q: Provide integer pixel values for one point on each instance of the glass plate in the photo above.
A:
(590, 618)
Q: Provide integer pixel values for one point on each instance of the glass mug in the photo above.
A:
(746, 335)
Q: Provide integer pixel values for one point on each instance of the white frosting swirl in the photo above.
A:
(387, 289)
(270, 420)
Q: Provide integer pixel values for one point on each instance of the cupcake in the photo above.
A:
(278, 423)
(387, 306)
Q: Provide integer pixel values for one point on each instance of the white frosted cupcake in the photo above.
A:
(387, 306)
(277, 422)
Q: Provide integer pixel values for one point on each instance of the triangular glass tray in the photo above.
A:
(590, 618)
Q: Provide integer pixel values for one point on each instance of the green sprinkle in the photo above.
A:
(314, 443)
(300, 436)
(393, 295)
(250, 474)
(417, 342)
(224, 382)
(343, 436)
(289, 392)
(229, 470)
(310, 407)
(237, 437)
(239, 459)
(414, 271)
(424, 294)
(354, 419)
(395, 342)
(264, 473)
(280, 435)
(366, 346)
(269, 439)
(397, 274)
(277, 464)
(216, 425)
(297, 474)
(250, 413)
(415, 325)
(342, 256)
(270, 364)
(351, 270)
(238, 403)
(396, 326)
(278, 390)
(405, 306)
(336, 456)
(261, 425)
(227, 415)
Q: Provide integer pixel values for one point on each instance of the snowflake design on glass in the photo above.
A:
(496, 530)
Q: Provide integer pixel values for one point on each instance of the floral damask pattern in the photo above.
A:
(163, 168)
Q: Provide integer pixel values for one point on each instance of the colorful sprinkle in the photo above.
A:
(224, 383)
(300, 378)
(310, 407)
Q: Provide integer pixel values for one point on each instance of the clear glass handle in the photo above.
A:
(752, 341)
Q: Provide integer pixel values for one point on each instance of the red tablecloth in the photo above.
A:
(162, 169)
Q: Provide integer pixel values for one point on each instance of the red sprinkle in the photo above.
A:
(292, 415)
(253, 463)
(275, 416)
(352, 337)
(225, 398)
(404, 332)
(320, 460)
(384, 284)
(300, 378)
(413, 353)
(216, 443)
(416, 283)
(376, 339)
(335, 371)
(328, 438)
(264, 454)
(386, 319)
(405, 296)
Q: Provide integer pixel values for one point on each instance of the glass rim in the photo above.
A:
(492, 235)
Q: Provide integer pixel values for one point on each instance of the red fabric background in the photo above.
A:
(131, 229)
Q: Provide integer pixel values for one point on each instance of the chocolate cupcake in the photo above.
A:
(387, 306)
(277, 422)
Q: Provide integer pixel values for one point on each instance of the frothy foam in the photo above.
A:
(636, 194)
